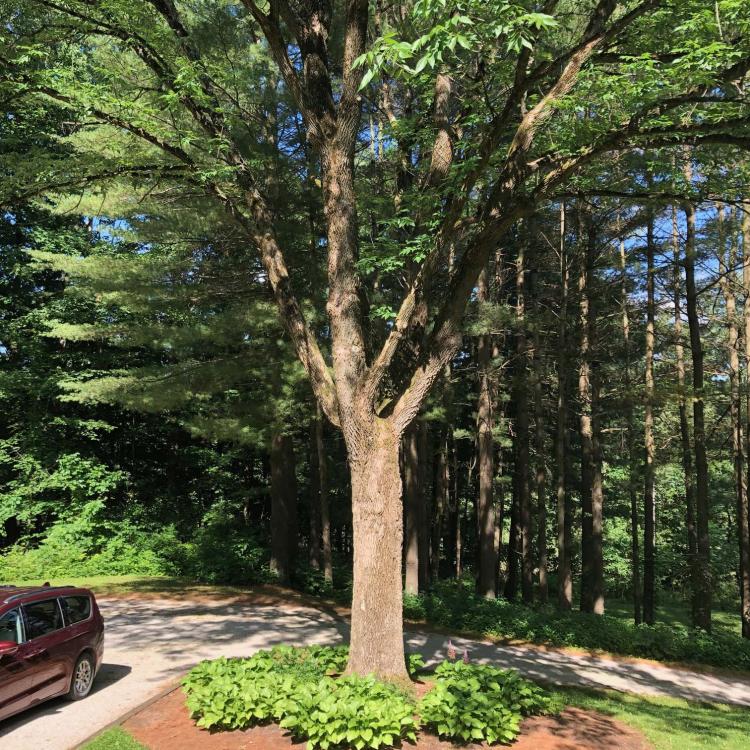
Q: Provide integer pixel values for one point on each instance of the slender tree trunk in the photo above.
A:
(510, 590)
(414, 515)
(686, 448)
(314, 505)
(522, 433)
(423, 530)
(486, 581)
(703, 555)
(744, 514)
(325, 517)
(378, 536)
(649, 534)
(439, 503)
(630, 438)
(564, 574)
(592, 573)
(540, 477)
(283, 507)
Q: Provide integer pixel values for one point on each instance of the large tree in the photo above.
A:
(494, 108)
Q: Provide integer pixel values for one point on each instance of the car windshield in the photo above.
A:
(11, 628)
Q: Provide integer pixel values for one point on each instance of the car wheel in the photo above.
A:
(83, 678)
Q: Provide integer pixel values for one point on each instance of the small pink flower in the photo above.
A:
(451, 651)
(466, 656)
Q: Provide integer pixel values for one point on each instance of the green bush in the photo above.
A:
(293, 687)
(455, 605)
(474, 702)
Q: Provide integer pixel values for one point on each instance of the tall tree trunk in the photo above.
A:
(439, 504)
(486, 581)
(423, 530)
(744, 514)
(378, 536)
(686, 448)
(283, 507)
(703, 556)
(414, 514)
(540, 473)
(592, 565)
(630, 438)
(649, 533)
(727, 279)
(510, 590)
(522, 433)
(314, 551)
(323, 499)
(564, 574)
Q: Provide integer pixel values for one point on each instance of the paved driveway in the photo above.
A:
(149, 643)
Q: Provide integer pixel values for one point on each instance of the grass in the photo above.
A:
(672, 611)
(668, 723)
(113, 739)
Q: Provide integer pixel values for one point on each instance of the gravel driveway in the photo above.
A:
(150, 642)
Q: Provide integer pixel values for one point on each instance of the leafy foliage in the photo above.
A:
(294, 687)
(474, 702)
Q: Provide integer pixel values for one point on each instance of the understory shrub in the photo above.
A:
(456, 606)
(293, 686)
(475, 702)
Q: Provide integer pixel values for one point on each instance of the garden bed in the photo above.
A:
(166, 725)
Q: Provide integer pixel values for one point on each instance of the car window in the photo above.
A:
(11, 626)
(76, 608)
(42, 618)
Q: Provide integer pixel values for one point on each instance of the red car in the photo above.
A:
(51, 644)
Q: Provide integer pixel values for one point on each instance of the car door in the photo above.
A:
(50, 670)
(15, 668)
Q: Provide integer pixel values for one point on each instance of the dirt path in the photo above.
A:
(151, 642)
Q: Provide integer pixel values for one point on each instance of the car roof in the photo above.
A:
(11, 594)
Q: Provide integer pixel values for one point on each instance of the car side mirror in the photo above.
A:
(8, 648)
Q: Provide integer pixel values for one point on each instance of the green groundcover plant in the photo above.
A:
(301, 689)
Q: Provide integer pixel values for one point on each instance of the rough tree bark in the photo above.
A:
(521, 398)
(283, 507)
(744, 514)
(486, 460)
(592, 583)
(414, 516)
(703, 594)
(649, 533)
(564, 542)
(630, 439)
(323, 499)
(685, 445)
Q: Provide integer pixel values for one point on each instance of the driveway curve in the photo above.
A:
(149, 643)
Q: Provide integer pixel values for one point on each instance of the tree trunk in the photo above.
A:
(439, 502)
(377, 622)
(510, 590)
(703, 594)
(325, 517)
(283, 508)
(564, 574)
(414, 515)
(630, 438)
(522, 433)
(486, 580)
(686, 448)
(540, 477)
(423, 531)
(314, 551)
(649, 534)
(592, 572)
(744, 509)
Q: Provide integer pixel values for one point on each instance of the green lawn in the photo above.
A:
(675, 612)
(669, 723)
(113, 739)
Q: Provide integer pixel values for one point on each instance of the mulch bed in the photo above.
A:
(166, 725)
